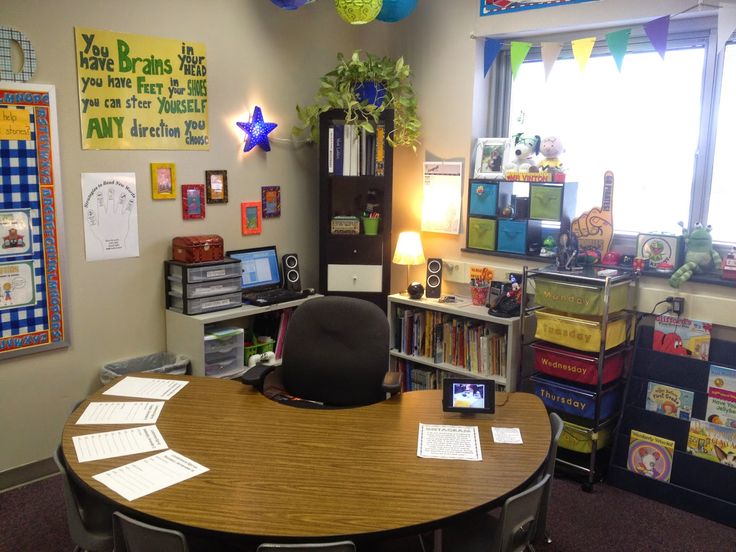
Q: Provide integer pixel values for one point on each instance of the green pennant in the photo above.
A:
(618, 42)
(519, 50)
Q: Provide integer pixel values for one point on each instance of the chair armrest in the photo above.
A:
(392, 382)
(256, 375)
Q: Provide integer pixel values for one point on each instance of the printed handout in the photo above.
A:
(111, 444)
(449, 442)
(133, 412)
(146, 388)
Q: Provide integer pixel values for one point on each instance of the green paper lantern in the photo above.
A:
(358, 12)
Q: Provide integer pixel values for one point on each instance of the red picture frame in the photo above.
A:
(250, 217)
(192, 201)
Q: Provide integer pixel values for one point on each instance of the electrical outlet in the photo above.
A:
(678, 305)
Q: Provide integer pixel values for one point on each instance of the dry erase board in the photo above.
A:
(31, 300)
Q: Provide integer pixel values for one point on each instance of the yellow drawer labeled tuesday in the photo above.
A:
(581, 333)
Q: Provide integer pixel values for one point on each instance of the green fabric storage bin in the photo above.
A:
(545, 202)
(482, 233)
(579, 299)
(580, 439)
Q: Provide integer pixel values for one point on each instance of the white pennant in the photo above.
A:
(550, 53)
(726, 24)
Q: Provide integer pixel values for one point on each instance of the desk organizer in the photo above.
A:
(196, 288)
(577, 401)
(574, 366)
(576, 298)
(581, 333)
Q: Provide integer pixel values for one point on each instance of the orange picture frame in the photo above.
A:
(250, 217)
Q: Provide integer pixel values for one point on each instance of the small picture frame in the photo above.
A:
(192, 201)
(271, 201)
(250, 217)
(163, 180)
(490, 156)
(216, 184)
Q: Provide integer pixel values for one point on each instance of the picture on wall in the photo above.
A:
(163, 180)
(271, 201)
(216, 183)
(489, 157)
(250, 215)
(192, 201)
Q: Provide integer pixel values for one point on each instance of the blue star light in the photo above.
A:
(256, 131)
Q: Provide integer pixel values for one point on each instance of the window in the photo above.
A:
(653, 124)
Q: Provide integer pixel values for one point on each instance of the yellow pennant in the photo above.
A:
(581, 49)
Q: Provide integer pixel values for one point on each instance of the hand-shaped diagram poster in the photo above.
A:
(110, 208)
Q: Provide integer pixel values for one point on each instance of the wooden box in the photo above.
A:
(197, 249)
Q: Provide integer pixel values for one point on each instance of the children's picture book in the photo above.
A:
(650, 455)
(721, 396)
(670, 401)
(712, 442)
(682, 336)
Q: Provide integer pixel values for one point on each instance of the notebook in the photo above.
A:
(260, 276)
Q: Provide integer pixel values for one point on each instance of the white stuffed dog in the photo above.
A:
(523, 149)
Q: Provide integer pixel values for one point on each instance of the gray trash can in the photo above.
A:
(162, 363)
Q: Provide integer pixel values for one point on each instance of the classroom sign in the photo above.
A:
(141, 92)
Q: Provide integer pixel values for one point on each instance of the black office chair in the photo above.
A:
(549, 469)
(336, 352)
(89, 519)
(342, 546)
(132, 535)
(511, 532)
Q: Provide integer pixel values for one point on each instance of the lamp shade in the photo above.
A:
(358, 12)
(396, 10)
(409, 249)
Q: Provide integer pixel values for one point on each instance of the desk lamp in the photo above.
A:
(409, 252)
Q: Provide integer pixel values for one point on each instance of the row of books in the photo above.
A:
(478, 347)
(415, 377)
(283, 324)
(352, 151)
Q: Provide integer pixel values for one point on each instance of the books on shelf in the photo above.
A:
(681, 336)
(283, 324)
(713, 442)
(721, 407)
(650, 455)
(670, 401)
(352, 151)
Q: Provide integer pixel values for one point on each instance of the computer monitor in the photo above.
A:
(259, 268)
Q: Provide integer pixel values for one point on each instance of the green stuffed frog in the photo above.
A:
(699, 256)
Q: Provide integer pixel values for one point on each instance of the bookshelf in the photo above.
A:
(453, 356)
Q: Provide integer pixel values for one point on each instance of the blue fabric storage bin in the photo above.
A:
(512, 236)
(483, 198)
(576, 400)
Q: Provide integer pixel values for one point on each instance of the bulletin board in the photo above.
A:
(32, 313)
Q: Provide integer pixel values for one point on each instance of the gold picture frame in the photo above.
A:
(163, 180)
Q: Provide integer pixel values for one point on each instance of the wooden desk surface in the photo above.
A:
(277, 471)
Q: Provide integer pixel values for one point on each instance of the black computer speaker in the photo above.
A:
(292, 278)
(434, 278)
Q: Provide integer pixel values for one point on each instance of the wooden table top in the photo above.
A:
(277, 471)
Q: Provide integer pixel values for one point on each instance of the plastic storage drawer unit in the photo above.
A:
(575, 366)
(204, 289)
(575, 400)
(582, 333)
(580, 439)
(192, 273)
(205, 304)
(578, 298)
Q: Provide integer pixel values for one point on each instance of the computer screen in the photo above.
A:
(259, 268)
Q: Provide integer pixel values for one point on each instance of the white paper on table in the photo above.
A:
(132, 412)
(449, 442)
(149, 475)
(110, 444)
(509, 435)
(146, 388)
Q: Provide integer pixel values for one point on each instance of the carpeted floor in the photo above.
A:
(32, 519)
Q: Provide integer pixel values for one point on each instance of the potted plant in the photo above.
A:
(365, 86)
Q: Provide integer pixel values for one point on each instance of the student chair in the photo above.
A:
(342, 546)
(336, 354)
(89, 519)
(511, 532)
(549, 469)
(132, 535)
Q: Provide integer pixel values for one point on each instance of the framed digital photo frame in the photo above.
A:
(192, 201)
(250, 217)
(469, 395)
(163, 180)
(216, 185)
(490, 155)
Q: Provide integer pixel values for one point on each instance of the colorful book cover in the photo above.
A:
(650, 455)
(712, 442)
(681, 336)
(721, 396)
(670, 401)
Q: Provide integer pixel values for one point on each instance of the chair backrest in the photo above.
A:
(89, 520)
(557, 427)
(336, 351)
(132, 535)
(517, 524)
(342, 546)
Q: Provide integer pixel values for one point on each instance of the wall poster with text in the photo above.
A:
(32, 310)
(141, 92)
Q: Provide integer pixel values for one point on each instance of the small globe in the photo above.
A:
(415, 290)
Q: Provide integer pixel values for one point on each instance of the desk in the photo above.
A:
(281, 472)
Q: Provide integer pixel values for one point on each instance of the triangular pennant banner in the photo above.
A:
(490, 51)
(550, 53)
(726, 24)
(581, 50)
(618, 41)
(657, 32)
(519, 50)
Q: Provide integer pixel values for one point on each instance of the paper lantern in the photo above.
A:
(396, 10)
(358, 12)
(289, 4)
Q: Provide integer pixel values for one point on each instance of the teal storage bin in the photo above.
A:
(483, 197)
(516, 236)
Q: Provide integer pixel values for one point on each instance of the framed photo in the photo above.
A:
(490, 154)
(192, 201)
(271, 201)
(216, 184)
(163, 180)
(250, 217)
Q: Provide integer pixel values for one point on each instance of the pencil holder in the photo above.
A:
(479, 293)
(370, 226)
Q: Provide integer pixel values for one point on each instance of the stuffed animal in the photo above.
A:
(524, 148)
(699, 257)
(551, 148)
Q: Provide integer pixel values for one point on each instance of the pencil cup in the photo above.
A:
(479, 293)
(370, 226)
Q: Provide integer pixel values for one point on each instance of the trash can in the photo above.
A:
(162, 363)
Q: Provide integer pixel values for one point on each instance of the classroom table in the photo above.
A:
(278, 472)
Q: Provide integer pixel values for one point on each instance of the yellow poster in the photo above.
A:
(141, 92)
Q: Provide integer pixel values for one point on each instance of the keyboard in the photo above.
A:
(272, 296)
